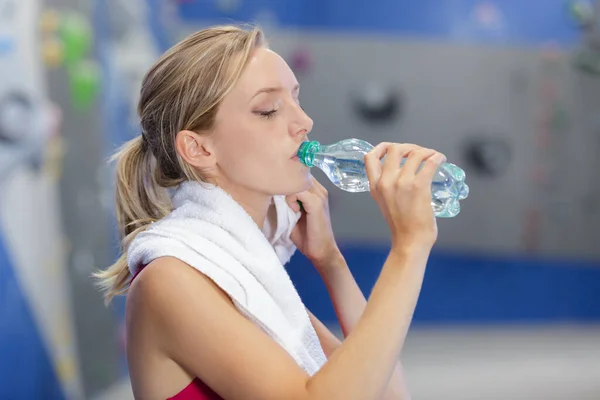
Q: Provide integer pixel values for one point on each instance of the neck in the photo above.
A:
(254, 203)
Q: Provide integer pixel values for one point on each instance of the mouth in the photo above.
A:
(295, 155)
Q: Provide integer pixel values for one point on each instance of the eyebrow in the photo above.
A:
(274, 89)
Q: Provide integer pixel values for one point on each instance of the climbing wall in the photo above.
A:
(506, 92)
(37, 347)
(528, 139)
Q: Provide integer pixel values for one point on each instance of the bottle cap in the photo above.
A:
(306, 152)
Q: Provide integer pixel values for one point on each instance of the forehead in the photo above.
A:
(265, 68)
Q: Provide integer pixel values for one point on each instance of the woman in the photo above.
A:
(221, 107)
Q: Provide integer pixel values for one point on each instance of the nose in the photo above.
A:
(301, 125)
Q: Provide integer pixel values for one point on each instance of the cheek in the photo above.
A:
(255, 153)
(236, 146)
(250, 161)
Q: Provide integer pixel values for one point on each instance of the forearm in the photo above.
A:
(361, 368)
(348, 300)
(349, 304)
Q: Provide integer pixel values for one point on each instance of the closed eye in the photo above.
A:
(266, 114)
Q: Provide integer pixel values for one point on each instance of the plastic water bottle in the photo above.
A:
(343, 163)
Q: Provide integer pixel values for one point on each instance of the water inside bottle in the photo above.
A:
(347, 171)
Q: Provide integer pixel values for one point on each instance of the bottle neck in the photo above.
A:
(307, 151)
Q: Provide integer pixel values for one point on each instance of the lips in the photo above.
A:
(295, 155)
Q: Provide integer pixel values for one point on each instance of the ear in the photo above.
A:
(195, 149)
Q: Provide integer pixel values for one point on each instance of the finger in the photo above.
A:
(415, 159)
(373, 162)
(310, 201)
(430, 167)
(391, 165)
(292, 201)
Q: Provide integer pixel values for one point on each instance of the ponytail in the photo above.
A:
(182, 91)
(140, 200)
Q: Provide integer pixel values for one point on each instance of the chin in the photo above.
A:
(297, 185)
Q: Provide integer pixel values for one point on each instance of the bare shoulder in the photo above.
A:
(165, 281)
(160, 298)
(196, 326)
(152, 295)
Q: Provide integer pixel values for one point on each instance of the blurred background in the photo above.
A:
(508, 89)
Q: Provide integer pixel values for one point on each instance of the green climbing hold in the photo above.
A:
(84, 79)
(75, 33)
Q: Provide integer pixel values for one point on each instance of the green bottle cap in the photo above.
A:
(306, 152)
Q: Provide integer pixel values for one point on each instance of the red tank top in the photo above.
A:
(196, 390)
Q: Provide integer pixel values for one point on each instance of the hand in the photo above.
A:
(403, 195)
(313, 235)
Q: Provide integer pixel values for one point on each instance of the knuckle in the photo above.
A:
(383, 185)
(403, 184)
(423, 152)
(415, 184)
(380, 185)
(432, 161)
(409, 185)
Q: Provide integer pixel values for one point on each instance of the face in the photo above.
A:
(259, 128)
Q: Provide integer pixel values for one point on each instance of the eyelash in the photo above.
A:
(271, 113)
(267, 114)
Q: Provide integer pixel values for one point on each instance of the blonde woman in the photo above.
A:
(221, 123)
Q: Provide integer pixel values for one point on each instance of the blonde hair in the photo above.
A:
(182, 91)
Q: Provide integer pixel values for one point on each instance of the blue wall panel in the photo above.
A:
(25, 366)
(462, 288)
(532, 21)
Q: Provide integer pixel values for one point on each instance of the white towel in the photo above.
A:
(210, 231)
